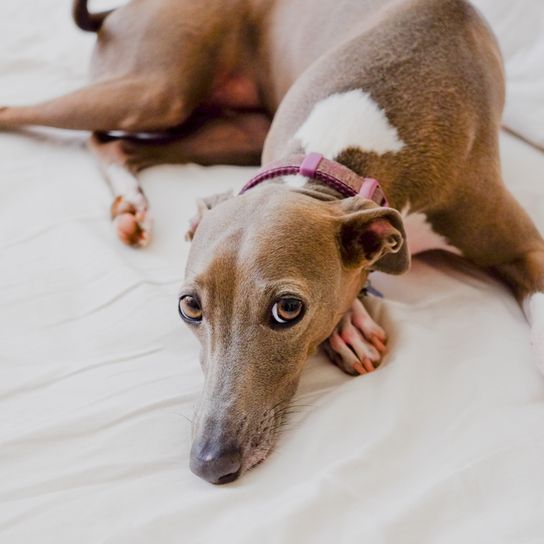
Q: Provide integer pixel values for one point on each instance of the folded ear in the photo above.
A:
(373, 237)
(204, 205)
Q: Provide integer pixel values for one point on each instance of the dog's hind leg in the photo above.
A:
(525, 275)
(131, 105)
(492, 230)
(153, 64)
(129, 210)
(235, 138)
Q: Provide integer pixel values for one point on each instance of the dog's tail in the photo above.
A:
(91, 22)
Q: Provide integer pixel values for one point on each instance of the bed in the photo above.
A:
(98, 376)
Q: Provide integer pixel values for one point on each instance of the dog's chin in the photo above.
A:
(257, 455)
(260, 447)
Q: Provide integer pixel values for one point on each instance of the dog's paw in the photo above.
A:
(131, 219)
(357, 344)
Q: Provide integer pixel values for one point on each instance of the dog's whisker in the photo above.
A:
(291, 411)
(278, 407)
(179, 414)
(297, 405)
(281, 425)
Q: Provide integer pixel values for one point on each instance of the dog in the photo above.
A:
(377, 122)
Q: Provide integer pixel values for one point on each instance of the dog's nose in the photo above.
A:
(216, 464)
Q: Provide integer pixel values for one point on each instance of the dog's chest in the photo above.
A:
(420, 235)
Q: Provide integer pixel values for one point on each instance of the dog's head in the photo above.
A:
(269, 275)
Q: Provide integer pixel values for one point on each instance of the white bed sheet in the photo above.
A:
(520, 28)
(445, 443)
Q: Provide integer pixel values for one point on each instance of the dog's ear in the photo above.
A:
(204, 205)
(372, 237)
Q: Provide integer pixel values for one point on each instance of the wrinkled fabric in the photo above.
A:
(98, 376)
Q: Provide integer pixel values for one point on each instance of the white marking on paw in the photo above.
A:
(421, 236)
(123, 183)
(126, 185)
(295, 181)
(533, 307)
(350, 119)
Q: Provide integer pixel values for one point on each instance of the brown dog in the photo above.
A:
(408, 92)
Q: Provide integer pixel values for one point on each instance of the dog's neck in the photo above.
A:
(320, 177)
(319, 191)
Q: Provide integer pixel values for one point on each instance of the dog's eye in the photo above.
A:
(287, 310)
(189, 309)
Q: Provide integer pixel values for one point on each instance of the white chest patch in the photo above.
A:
(350, 119)
(421, 236)
(295, 181)
(534, 310)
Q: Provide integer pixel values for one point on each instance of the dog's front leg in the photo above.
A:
(357, 344)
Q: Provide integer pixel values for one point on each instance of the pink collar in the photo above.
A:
(331, 173)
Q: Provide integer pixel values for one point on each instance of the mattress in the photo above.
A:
(99, 378)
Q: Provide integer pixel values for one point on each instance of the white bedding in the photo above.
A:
(519, 26)
(444, 444)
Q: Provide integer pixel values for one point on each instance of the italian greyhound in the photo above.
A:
(378, 116)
